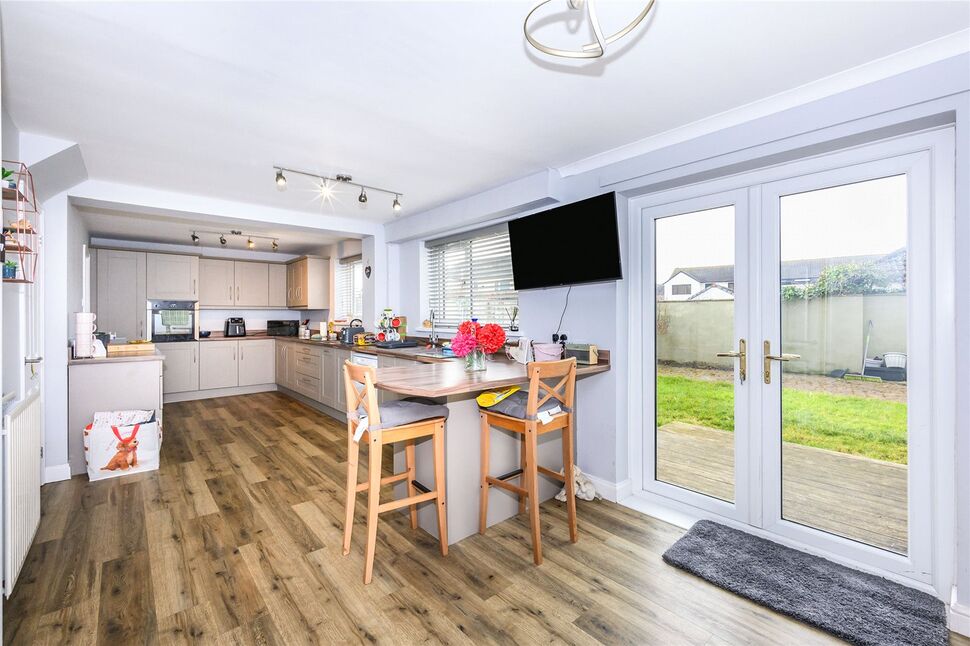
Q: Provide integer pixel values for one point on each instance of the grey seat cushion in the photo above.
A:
(515, 404)
(402, 412)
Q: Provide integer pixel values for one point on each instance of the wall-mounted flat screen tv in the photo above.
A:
(570, 244)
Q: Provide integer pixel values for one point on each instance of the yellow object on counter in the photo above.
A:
(490, 398)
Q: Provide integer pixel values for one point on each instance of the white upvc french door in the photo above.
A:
(720, 219)
(836, 272)
(892, 534)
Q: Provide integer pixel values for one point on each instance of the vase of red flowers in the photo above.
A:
(475, 340)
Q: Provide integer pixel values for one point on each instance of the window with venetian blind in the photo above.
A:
(470, 276)
(349, 285)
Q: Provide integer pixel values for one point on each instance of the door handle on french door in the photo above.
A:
(742, 356)
(775, 357)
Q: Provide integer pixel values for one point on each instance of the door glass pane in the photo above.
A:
(694, 320)
(843, 309)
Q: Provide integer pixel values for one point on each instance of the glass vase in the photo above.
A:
(475, 361)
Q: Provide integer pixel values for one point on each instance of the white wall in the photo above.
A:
(9, 137)
(58, 235)
(933, 95)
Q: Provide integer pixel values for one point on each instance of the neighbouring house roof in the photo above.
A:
(709, 291)
(806, 270)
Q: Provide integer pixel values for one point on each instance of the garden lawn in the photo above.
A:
(871, 427)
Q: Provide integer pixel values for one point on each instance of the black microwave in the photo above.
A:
(282, 328)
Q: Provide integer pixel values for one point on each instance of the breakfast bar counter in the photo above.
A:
(448, 383)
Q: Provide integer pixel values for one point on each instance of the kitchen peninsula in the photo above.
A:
(449, 384)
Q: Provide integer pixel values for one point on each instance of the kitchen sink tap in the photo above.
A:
(434, 332)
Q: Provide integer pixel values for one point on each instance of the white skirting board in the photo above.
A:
(57, 472)
(959, 619)
(612, 491)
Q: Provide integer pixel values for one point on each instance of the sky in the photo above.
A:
(855, 219)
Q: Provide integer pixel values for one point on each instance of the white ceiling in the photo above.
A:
(436, 99)
(115, 225)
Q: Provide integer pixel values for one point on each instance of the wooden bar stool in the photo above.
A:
(519, 413)
(397, 421)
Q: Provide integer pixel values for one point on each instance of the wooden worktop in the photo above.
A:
(119, 358)
(443, 379)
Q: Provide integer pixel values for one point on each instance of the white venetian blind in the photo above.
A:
(349, 284)
(470, 276)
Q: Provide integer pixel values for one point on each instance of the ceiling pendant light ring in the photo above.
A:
(594, 49)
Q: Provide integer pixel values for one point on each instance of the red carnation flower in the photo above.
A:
(469, 327)
(491, 337)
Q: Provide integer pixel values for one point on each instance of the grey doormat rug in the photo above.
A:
(860, 608)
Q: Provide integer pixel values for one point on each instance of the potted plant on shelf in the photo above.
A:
(474, 340)
(9, 269)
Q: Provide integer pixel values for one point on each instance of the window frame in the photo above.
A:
(427, 286)
(348, 264)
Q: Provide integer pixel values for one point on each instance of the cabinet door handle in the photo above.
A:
(237, 293)
(193, 355)
(241, 353)
(194, 288)
(230, 291)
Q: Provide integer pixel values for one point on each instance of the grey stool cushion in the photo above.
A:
(402, 412)
(515, 404)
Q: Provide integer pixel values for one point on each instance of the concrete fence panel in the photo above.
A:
(829, 333)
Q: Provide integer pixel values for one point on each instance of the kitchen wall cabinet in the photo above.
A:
(252, 284)
(218, 364)
(122, 293)
(172, 277)
(217, 283)
(180, 369)
(257, 362)
(229, 283)
(276, 275)
(308, 284)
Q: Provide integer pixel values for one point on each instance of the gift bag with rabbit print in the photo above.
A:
(120, 443)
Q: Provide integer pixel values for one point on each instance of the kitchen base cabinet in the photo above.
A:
(331, 384)
(218, 364)
(257, 362)
(282, 350)
(180, 370)
(95, 385)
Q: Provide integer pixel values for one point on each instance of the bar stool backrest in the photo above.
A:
(550, 380)
(364, 397)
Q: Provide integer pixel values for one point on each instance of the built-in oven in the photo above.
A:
(173, 321)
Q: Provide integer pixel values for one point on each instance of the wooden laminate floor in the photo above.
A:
(237, 540)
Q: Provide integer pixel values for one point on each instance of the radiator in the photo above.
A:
(21, 484)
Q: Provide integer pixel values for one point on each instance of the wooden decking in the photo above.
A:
(848, 495)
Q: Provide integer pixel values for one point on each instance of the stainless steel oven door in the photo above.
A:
(173, 321)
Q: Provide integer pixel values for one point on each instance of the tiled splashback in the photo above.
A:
(214, 320)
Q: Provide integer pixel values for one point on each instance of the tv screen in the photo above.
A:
(567, 245)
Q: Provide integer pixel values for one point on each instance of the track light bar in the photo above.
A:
(340, 178)
(250, 242)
